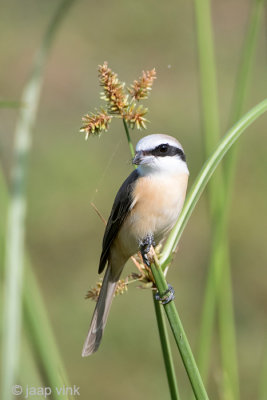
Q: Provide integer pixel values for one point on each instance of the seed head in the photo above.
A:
(113, 92)
(140, 88)
(94, 124)
(135, 116)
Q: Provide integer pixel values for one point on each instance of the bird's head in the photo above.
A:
(160, 153)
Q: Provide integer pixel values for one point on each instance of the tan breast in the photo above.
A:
(158, 203)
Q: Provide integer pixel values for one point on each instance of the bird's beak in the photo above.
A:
(137, 158)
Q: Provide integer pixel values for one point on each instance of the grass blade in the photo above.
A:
(219, 262)
(205, 174)
(163, 332)
(179, 335)
(17, 209)
(166, 351)
(210, 116)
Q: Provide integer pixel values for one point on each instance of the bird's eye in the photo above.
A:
(163, 148)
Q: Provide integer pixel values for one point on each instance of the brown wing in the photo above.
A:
(121, 207)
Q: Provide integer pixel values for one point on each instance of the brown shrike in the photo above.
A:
(145, 209)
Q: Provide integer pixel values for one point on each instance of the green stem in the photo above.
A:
(180, 336)
(241, 89)
(166, 351)
(216, 192)
(227, 334)
(227, 330)
(219, 261)
(128, 138)
(205, 174)
(203, 178)
(207, 70)
(163, 333)
(214, 278)
(36, 321)
(17, 208)
(40, 333)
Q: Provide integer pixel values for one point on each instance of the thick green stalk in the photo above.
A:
(227, 331)
(242, 84)
(166, 351)
(37, 324)
(210, 117)
(205, 174)
(227, 334)
(40, 333)
(29, 375)
(163, 333)
(207, 70)
(17, 209)
(219, 256)
(210, 297)
(180, 336)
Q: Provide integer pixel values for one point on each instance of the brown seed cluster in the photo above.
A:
(140, 89)
(95, 123)
(135, 117)
(113, 92)
(118, 103)
(122, 287)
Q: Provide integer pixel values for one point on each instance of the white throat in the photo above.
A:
(163, 166)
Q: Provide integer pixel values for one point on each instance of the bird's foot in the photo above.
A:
(145, 246)
(167, 296)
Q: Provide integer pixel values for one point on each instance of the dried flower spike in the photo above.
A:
(113, 90)
(122, 287)
(135, 117)
(94, 124)
(140, 89)
(117, 102)
(94, 292)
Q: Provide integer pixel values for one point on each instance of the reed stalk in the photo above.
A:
(163, 333)
(219, 262)
(14, 252)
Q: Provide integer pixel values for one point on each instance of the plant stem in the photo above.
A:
(200, 183)
(17, 209)
(39, 331)
(203, 177)
(36, 321)
(180, 336)
(228, 345)
(219, 256)
(241, 89)
(210, 116)
(163, 333)
(166, 351)
(227, 330)
(128, 137)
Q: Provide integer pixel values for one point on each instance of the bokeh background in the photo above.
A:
(66, 173)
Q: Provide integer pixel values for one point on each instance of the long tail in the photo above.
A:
(101, 312)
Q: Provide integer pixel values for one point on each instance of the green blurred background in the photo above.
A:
(66, 173)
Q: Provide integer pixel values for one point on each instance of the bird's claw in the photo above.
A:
(167, 296)
(145, 246)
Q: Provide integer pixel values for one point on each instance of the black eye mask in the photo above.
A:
(165, 150)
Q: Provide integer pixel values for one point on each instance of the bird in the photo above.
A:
(145, 209)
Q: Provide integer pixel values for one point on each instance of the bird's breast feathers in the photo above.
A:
(157, 203)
